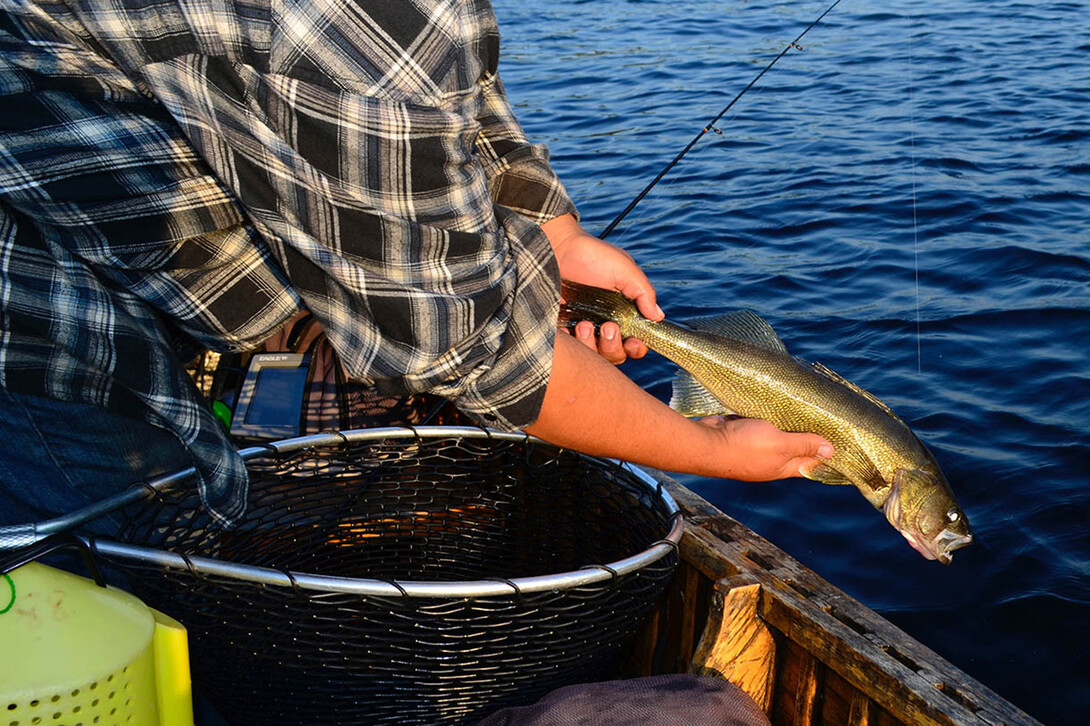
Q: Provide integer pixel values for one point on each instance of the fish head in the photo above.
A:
(922, 508)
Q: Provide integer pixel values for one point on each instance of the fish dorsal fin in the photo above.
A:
(744, 325)
(837, 378)
(690, 398)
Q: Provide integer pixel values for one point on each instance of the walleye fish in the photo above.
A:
(736, 364)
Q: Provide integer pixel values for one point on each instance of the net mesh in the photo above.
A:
(425, 509)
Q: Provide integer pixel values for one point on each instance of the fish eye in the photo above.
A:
(953, 516)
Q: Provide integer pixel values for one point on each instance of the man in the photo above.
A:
(180, 174)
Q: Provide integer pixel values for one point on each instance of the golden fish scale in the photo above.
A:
(759, 383)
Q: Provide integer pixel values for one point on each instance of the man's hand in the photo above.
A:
(764, 452)
(584, 258)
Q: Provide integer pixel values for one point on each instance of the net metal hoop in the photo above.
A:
(406, 588)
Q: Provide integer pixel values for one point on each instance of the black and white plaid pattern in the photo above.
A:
(217, 165)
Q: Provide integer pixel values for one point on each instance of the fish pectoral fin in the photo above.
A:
(866, 474)
(744, 325)
(690, 398)
(826, 474)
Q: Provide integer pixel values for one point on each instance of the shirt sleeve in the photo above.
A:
(519, 173)
(374, 152)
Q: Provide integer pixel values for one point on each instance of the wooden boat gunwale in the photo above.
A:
(810, 654)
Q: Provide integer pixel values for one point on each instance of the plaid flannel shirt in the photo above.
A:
(208, 167)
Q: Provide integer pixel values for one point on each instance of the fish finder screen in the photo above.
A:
(278, 397)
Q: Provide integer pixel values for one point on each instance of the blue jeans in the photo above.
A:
(57, 457)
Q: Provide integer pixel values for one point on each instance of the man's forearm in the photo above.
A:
(592, 407)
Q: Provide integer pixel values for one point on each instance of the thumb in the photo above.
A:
(643, 294)
(821, 447)
(812, 450)
(649, 307)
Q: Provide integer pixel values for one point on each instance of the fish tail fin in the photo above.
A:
(583, 302)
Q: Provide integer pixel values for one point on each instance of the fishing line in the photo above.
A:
(710, 126)
(676, 179)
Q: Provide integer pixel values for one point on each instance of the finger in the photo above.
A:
(805, 446)
(584, 333)
(610, 345)
(635, 348)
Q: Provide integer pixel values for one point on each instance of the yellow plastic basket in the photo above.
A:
(77, 654)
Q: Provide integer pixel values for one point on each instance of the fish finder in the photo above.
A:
(270, 402)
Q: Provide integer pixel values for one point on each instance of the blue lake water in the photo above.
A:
(907, 200)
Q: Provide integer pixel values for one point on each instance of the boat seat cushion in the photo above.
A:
(666, 700)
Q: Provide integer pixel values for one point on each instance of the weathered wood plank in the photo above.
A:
(736, 645)
(859, 712)
(798, 688)
(708, 563)
(666, 641)
(807, 693)
(684, 612)
(843, 703)
(640, 661)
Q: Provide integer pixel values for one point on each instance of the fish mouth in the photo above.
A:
(941, 547)
(947, 541)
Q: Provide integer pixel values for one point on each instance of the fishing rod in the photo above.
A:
(710, 126)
